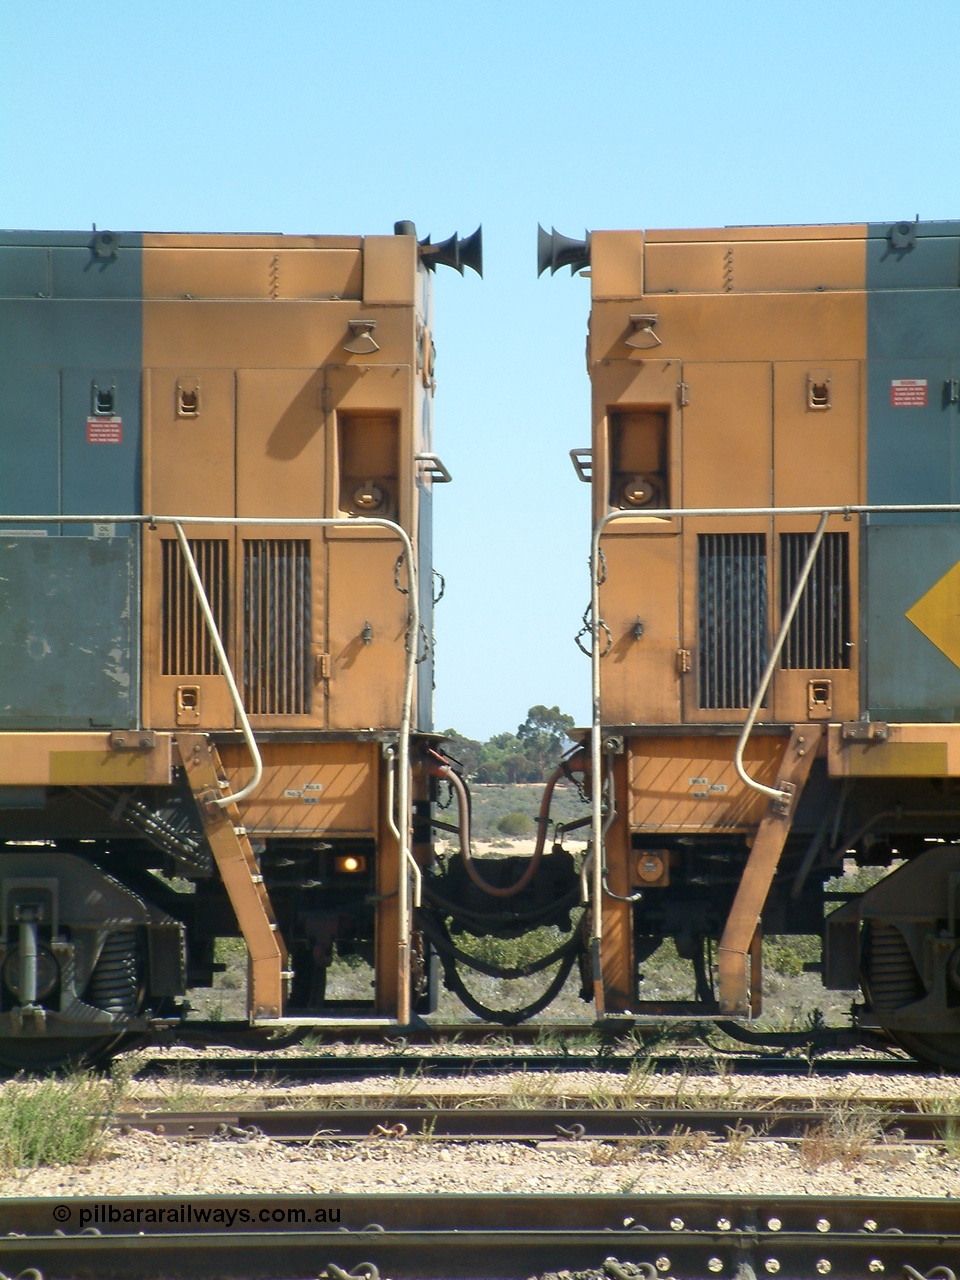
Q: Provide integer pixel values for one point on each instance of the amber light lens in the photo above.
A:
(350, 864)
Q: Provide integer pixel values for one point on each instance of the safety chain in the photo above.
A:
(396, 574)
(587, 630)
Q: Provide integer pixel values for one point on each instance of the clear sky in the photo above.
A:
(342, 118)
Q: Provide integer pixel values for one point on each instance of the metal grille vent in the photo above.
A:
(819, 636)
(732, 576)
(276, 641)
(186, 649)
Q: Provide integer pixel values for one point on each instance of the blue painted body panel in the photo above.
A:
(69, 622)
(69, 630)
(908, 678)
(913, 456)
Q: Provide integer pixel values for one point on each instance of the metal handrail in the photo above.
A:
(667, 513)
(413, 631)
(773, 792)
(215, 638)
(395, 830)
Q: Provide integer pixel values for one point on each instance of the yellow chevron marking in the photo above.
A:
(937, 614)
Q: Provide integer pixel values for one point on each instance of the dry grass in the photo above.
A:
(848, 1136)
(619, 1151)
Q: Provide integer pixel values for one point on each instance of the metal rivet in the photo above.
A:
(663, 1263)
(676, 1224)
(774, 1224)
(874, 1266)
(723, 1224)
(823, 1267)
(870, 1224)
(823, 1224)
(714, 1264)
(771, 1265)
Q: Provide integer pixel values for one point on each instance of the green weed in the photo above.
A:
(55, 1121)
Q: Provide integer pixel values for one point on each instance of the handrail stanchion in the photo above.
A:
(769, 669)
(214, 633)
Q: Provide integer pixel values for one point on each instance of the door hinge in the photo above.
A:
(684, 662)
(683, 394)
(951, 390)
(321, 666)
(325, 398)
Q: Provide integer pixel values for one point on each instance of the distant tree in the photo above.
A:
(505, 760)
(544, 734)
(528, 755)
(467, 751)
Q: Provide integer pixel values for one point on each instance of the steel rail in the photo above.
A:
(482, 1237)
(354, 1066)
(889, 1125)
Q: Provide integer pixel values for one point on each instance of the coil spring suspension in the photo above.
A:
(114, 984)
(894, 980)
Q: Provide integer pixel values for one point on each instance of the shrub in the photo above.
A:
(516, 825)
(54, 1122)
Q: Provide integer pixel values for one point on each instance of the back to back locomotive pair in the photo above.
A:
(216, 594)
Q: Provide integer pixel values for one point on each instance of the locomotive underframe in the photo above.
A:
(680, 859)
(163, 872)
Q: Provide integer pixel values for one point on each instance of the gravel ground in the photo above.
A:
(543, 1088)
(850, 1161)
(143, 1164)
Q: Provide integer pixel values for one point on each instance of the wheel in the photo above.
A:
(891, 981)
(56, 1053)
(934, 1048)
(114, 987)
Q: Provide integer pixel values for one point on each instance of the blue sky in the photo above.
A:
(342, 118)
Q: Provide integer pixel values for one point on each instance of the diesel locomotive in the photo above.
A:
(216, 595)
(774, 622)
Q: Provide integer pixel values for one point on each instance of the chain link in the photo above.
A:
(588, 630)
(396, 573)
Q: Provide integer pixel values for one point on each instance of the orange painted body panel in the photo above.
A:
(189, 462)
(210, 272)
(367, 622)
(726, 435)
(753, 266)
(639, 673)
(281, 444)
(803, 325)
(773, 321)
(903, 751)
(309, 787)
(818, 455)
(390, 271)
(689, 784)
(83, 760)
(249, 335)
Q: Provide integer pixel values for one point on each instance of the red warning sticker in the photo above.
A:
(908, 393)
(104, 431)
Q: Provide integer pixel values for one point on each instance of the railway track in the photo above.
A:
(329, 1066)
(479, 1237)
(903, 1123)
